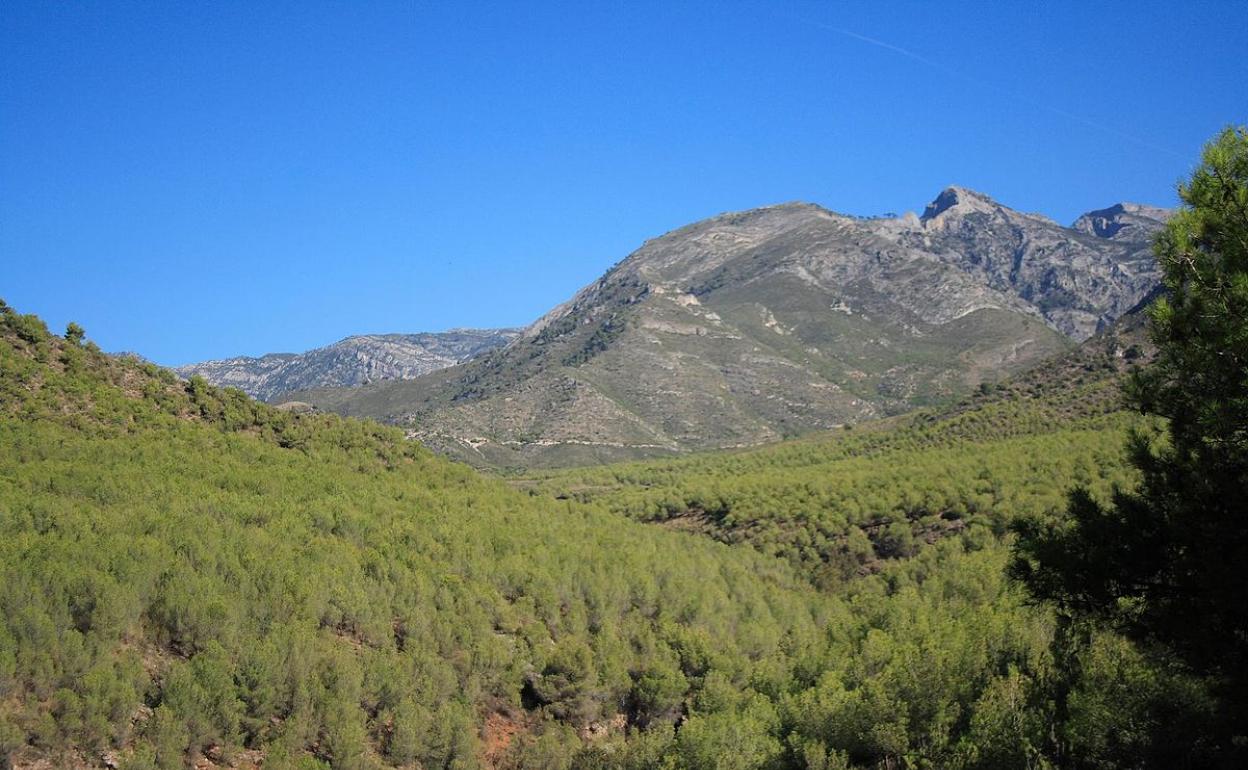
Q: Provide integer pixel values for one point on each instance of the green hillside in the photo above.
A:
(836, 504)
(189, 576)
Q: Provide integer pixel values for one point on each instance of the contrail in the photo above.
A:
(882, 44)
(1003, 91)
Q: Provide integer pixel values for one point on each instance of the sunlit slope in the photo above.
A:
(266, 579)
(839, 503)
(752, 327)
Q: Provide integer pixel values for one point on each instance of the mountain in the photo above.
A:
(355, 360)
(750, 327)
(1078, 284)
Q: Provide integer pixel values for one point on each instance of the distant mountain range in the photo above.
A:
(754, 326)
(353, 361)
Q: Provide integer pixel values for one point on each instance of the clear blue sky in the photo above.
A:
(196, 180)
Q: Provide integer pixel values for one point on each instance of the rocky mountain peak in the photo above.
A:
(1122, 221)
(754, 325)
(957, 202)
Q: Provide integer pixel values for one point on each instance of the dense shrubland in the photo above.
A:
(264, 579)
(186, 573)
(836, 506)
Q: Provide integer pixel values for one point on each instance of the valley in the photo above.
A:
(261, 581)
(623, 386)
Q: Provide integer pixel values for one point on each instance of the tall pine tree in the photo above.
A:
(1167, 563)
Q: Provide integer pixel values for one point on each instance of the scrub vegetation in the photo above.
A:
(189, 577)
(187, 573)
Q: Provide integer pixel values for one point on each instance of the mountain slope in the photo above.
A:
(750, 327)
(1010, 450)
(352, 361)
(1079, 278)
(1132, 222)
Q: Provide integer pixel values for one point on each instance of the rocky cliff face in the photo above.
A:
(353, 361)
(1077, 281)
(754, 326)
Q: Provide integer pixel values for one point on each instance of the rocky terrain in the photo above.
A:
(1078, 285)
(355, 360)
(1129, 222)
(754, 326)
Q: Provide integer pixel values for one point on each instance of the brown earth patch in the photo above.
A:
(499, 734)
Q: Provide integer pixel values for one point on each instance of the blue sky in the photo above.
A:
(191, 181)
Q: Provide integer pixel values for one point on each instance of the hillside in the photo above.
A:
(752, 327)
(190, 576)
(356, 360)
(834, 503)
(206, 576)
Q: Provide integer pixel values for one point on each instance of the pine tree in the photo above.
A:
(1167, 563)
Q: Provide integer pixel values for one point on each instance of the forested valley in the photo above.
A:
(189, 577)
(190, 573)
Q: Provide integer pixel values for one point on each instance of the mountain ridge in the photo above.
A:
(354, 360)
(749, 327)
